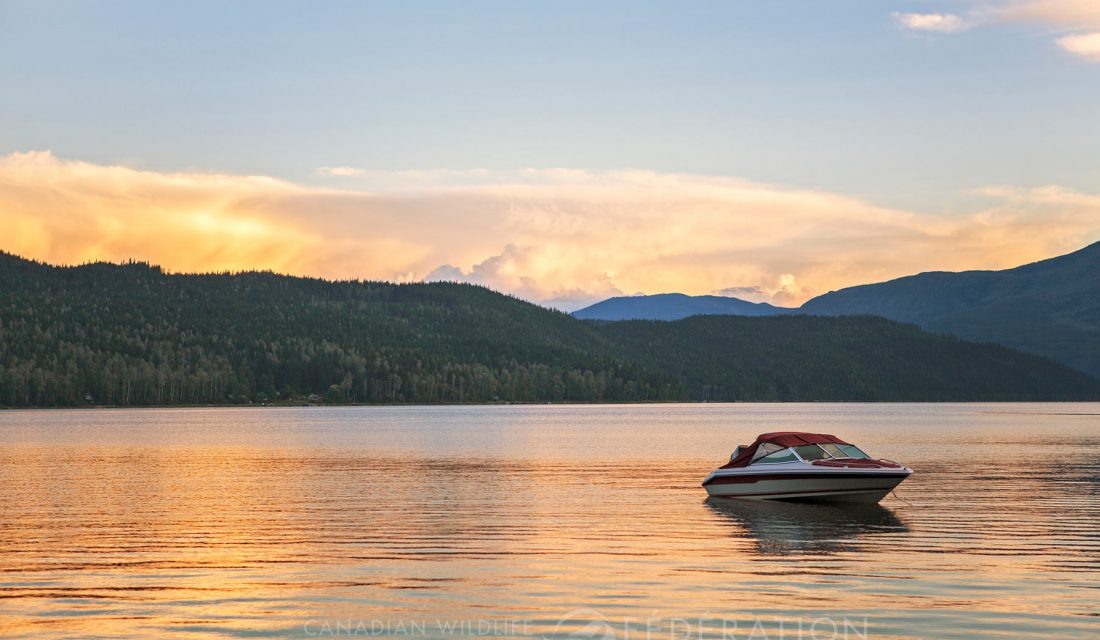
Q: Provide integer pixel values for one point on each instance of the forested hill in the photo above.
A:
(1050, 307)
(849, 358)
(130, 334)
(133, 335)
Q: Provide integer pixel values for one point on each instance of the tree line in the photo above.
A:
(132, 335)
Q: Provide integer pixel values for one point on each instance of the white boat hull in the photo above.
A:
(841, 485)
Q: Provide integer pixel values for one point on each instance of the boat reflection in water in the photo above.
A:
(794, 528)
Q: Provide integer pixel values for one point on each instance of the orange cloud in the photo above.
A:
(562, 237)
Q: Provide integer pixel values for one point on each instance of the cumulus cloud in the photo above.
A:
(505, 272)
(940, 22)
(561, 286)
(561, 237)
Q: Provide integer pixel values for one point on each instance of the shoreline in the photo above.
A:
(536, 404)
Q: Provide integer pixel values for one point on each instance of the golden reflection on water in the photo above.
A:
(278, 522)
(789, 529)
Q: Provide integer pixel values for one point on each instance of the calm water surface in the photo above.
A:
(540, 521)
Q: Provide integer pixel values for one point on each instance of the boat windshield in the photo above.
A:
(767, 448)
(811, 452)
(828, 450)
(784, 455)
(852, 451)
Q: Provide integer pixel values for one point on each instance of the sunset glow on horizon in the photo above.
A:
(562, 238)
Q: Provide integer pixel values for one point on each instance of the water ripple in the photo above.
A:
(264, 522)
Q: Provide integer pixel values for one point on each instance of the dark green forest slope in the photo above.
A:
(1050, 307)
(852, 358)
(132, 335)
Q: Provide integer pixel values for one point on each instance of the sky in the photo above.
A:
(560, 151)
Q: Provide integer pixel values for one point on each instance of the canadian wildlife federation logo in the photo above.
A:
(589, 623)
(583, 623)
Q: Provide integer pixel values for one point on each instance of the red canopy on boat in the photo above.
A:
(783, 439)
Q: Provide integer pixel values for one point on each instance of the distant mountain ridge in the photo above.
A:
(1050, 307)
(674, 306)
(130, 334)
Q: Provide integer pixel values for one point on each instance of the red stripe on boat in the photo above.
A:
(800, 493)
(856, 463)
(756, 477)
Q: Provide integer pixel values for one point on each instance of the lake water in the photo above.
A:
(540, 521)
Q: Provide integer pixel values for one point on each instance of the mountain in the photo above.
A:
(131, 334)
(851, 358)
(1050, 308)
(673, 306)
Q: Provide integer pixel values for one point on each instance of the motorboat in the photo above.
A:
(791, 465)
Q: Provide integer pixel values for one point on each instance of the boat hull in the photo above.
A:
(825, 486)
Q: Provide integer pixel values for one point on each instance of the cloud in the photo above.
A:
(939, 22)
(754, 293)
(339, 172)
(557, 236)
(579, 298)
(507, 272)
(1086, 45)
(1080, 18)
(73, 212)
(1072, 14)
(786, 292)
